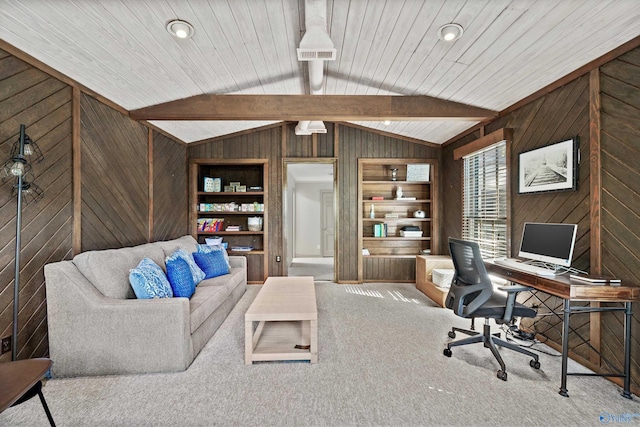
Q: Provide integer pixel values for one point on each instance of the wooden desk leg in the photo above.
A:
(627, 350)
(565, 347)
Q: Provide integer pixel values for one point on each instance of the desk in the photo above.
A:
(573, 290)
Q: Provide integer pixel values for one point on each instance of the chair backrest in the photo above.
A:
(471, 286)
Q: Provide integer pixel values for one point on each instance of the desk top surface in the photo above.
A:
(16, 378)
(564, 287)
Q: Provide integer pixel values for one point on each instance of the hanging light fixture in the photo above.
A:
(18, 167)
(450, 32)
(180, 29)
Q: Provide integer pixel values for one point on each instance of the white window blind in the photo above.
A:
(484, 218)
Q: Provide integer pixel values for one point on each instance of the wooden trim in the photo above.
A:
(595, 170)
(314, 145)
(150, 162)
(595, 203)
(76, 245)
(336, 139)
(483, 142)
(283, 140)
(311, 107)
(391, 135)
(596, 63)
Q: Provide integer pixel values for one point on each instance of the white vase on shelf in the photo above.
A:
(399, 193)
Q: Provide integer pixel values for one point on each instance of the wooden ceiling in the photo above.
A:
(389, 48)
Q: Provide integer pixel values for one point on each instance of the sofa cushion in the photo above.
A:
(149, 281)
(196, 273)
(108, 270)
(213, 263)
(215, 248)
(180, 278)
(187, 243)
(229, 281)
(204, 302)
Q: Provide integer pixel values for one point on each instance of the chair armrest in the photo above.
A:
(515, 288)
(512, 292)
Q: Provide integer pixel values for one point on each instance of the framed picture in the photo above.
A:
(553, 167)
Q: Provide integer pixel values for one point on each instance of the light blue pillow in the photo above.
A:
(212, 263)
(180, 278)
(215, 248)
(196, 272)
(149, 281)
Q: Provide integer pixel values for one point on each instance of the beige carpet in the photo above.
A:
(380, 363)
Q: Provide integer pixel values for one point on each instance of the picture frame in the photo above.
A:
(553, 167)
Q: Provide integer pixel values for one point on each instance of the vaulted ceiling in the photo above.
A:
(510, 49)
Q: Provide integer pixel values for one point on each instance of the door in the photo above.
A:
(328, 224)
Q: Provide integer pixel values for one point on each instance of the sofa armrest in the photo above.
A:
(90, 334)
(238, 261)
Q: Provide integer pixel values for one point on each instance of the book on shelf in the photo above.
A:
(596, 279)
(210, 224)
(233, 228)
(380, 230)
(377, 198)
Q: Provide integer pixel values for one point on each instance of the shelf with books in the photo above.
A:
(402, 206)
(241, 216)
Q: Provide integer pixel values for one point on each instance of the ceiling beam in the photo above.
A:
(311, 107)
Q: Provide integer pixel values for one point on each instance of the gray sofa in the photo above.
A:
(98, 327)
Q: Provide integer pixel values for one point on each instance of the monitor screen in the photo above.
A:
(551, 243)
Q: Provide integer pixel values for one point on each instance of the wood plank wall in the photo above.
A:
(560, 114)
(620, 157)
(170, 191)
(352, 142)
(114, 204)
(357, 143)
(30, 97)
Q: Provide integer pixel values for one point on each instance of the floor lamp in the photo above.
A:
(24, 153)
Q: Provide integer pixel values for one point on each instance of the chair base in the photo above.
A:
(491, 341)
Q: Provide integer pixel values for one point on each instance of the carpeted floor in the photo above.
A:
(321, 269)
(380, 363)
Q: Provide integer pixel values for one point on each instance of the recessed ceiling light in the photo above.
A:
(450, 32)
(386, 122)
(180, 29)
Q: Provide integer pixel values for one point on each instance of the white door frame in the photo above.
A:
(286, 216)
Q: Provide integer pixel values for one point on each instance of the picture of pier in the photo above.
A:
(549, 168)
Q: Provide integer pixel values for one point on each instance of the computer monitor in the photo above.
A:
(552, 243)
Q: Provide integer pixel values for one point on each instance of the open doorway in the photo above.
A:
(309, 218)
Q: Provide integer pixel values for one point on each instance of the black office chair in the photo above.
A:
(472, 295)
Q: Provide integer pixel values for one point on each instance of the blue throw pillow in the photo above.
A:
(212, 263)
(149, 281)
(215, 248)
(180, 278)
(196, 272)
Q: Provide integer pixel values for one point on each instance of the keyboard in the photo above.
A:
(517, 265)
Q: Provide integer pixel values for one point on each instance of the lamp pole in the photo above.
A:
(16, 280)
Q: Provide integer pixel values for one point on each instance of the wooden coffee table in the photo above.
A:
(287, 314)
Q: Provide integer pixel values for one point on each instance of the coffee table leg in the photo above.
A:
(305, 337)
(313, 336)
(248, 342)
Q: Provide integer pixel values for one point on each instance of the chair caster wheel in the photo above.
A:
(502, 375)
(451, 334)
(447, 352)
(534, 364)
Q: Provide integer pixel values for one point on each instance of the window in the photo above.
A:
(484, 217)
